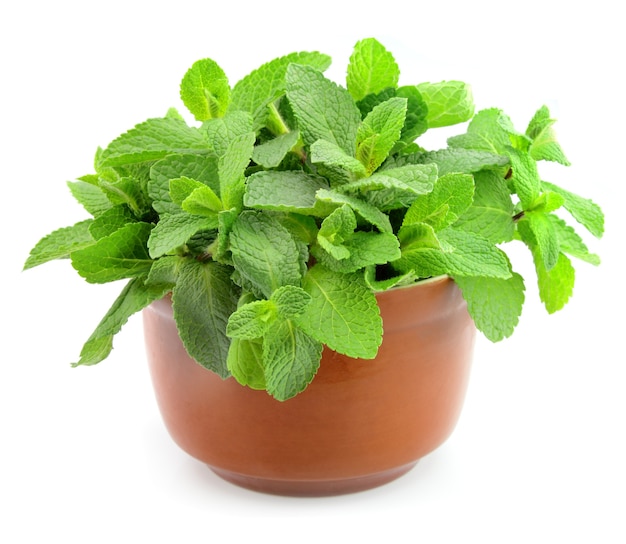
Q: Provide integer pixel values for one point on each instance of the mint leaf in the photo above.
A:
(585, 211)
(335, 230)
(330, 154)
(290, 300)
(195, 197)
(449, 102)
(271, 153)
(524, 178)
(495, 304)
(368, 212)
(231, 168)
(199, 167)
(379, 131)
(384, 282)
(491, 213)
(323, 110)
(60, 243)
(461, 254)
(393, 188)
(205, 90)
(135, 296)
(245, 363)
(174, 230)
(570, 242)
(120, 255)
(285, 191)
(485, 132)
(290, 358)
(264, 252)
(126, 190)
(343, 313)
(251, 320)
(416, 122)
(463, 161)
(165, 270)
(110, 221)
(555, 285)
(203, 299)
(451, 196)
(544, 144)
(545, 237)
(267, 83)
(222, 131)
(371, 69)
(360, 250)
(90, 196)
(153, 140)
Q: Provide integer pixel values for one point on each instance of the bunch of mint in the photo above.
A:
(275, 220)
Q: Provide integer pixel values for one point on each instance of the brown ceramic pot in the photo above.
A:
(358, 425)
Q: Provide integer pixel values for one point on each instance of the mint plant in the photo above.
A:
(278, 213)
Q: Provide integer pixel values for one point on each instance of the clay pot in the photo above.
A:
(358, 425)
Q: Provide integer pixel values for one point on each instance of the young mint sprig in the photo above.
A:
(275, 217)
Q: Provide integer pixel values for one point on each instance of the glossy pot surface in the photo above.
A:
(359, 424)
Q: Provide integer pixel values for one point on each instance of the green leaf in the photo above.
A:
(264, 252)
(449, 102)
(495, 304)
(379, 132)
(570, 242)
(371, 69)
(267, 83)
(152, 140)
(205, 90)
(555, 285)
(245, 363)
(544, 235)
(110, 221)
(90, 196)
(252, 320)
(165, 270)
(367, 211)
(323, 110)
(335, 230)
(362, 249)
(60, 243)
(290, 300)
(462, 161)
(135, 296)
(285, 191)
(174, 230)
(231, 167)
(461, 254)
(126, 190)
(585, 211)
(544, 144)
(290, 358)
(416, 122)
(203, 299)
(385, 282)
(120, 255)
(198, 167)
(393, 188)
(330, 154)
(343, 313)
(451, 196)
(491, 213)
(485, 132)
(271, 153)
(524, 178)
(222, 131)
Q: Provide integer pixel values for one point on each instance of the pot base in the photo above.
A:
(313, 488)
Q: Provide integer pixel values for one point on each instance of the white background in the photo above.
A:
(538, 455)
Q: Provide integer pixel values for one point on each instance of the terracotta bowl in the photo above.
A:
(358, 425)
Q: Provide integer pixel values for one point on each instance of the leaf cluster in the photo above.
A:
(275, 217)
